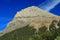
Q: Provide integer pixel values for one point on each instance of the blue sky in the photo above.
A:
(8, 9)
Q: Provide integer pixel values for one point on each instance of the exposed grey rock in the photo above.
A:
(32, 16)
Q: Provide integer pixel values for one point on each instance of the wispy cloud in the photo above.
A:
(49, 4)
(3, 22)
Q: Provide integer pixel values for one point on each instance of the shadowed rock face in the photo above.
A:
(32, 16)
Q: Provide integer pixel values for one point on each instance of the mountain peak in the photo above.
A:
(33, 11)
(32, 16)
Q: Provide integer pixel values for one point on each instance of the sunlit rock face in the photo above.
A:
(32, 16)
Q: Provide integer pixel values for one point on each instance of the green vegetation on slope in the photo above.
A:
(19, 34)
(28, 33)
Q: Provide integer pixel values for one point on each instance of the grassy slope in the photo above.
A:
(28, 33)
(19, 34)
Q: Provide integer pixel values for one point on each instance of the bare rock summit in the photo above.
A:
(32, 16)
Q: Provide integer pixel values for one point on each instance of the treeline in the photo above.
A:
(29, 33)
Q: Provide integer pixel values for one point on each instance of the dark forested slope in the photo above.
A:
(29, 33)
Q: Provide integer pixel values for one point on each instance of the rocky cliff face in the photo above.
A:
(32, 16)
